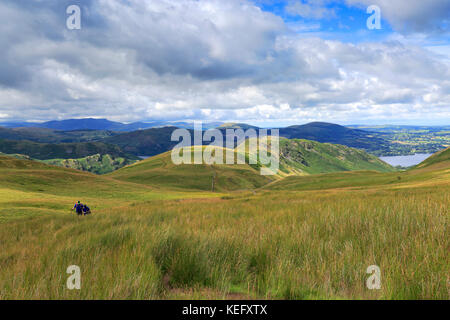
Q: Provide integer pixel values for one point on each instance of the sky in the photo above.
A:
(257, 61)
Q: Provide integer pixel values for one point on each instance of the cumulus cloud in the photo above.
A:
(217, 60)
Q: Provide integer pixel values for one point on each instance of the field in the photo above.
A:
(303, 237)
(408, 140)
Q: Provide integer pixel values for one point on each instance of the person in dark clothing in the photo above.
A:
(86, 210)
(78, 207)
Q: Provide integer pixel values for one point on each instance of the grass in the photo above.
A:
(437, 159)
(314, 157)
(160, 172)
(284, 241)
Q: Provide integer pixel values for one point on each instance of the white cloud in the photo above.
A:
(221, 60)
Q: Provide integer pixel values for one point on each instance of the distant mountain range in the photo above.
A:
(102, 124)
(80, 138)
(45, 151)
(333, 133)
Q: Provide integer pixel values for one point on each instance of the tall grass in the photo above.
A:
(277, 244)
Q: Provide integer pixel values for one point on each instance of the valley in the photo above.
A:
(75, 143)
(160, 232)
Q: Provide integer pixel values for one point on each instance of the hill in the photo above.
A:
(102, 124)
(289, 242)
(83, 124)
(159, 171)
(313, 157)
(148, 142)
(298, 157)
(432, 172)
(232, 125)
(98, 164)
(157, 140)
(44, 151)
(333, 133)
(440, 159)
(44, 135)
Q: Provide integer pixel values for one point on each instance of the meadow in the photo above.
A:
(305, 237)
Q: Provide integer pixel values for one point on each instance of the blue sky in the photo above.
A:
(258, 61)
(343, 21)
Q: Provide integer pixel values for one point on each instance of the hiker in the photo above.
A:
(86, 210)
(78, 207)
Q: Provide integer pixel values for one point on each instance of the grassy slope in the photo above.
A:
(297, 157)
(437, 160)
(39, 178)
(98, 164)
(43, 151)
(160, 171)
(313, 157)
(273, 244)
(361, 179)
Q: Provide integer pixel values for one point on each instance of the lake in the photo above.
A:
(406, 161)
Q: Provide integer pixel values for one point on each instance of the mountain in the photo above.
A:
(148, 142)
(333, 133)
(44, 151)
(17, 124)
(44, 135)
(103, 124)
(82, 124)
(312, 157)
(232, 125)
(387, 141)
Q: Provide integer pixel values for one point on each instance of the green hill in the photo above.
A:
(313, 157)
(297, 157)
(35, 176)
(98, 164)
(439, 159)
(291, 241)
(435, 171)
(159, 171)
(42, 182)
(44, 151)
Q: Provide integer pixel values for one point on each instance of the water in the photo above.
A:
(406, 161)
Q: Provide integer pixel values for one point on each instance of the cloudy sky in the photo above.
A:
(263, 62)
